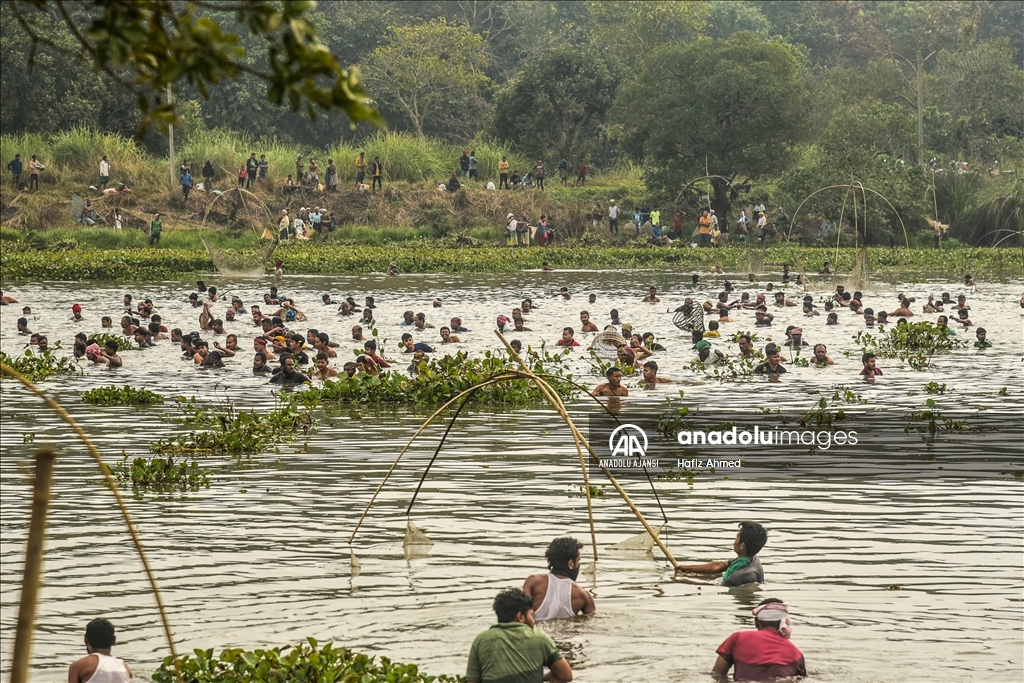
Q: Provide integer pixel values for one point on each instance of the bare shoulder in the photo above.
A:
(83, 669)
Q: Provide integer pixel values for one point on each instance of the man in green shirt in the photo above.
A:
(155, 228)
(511, 651)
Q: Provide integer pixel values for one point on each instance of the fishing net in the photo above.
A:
(606, 343)
(689, 318)
(240, 265)
(416, 543)
(755, 261)
(354, 563)
(641, 543)
(861, 273)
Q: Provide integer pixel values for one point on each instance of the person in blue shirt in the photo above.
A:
(186, 183)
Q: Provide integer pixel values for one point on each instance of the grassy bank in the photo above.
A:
(423, 256)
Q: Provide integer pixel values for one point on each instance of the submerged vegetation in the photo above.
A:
(162, 474)
(913, 343)
(307, 661)
(440, 256)
(438, 380)
(121, 396)
(39, 366)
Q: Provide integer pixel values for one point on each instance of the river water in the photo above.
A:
(910, 579)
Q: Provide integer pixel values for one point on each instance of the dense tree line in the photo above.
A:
(799, 92)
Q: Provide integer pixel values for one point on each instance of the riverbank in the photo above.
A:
(440, 256)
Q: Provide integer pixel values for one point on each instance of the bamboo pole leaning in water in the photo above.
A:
(33, 573)
(112, 484)
(557, 404)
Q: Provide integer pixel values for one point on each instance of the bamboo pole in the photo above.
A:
(112, 484)
(32, 575)
(560, 408)
(423, 426)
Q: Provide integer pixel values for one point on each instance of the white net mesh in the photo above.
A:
(240, 265)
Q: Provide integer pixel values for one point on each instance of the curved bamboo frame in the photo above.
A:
(854, 186)
(112, 484)
(578, 439)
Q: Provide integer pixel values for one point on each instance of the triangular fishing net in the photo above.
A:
(413, 536)
(240, 265)
(642, 542)
(861, 273)
(755, 261)
(76, 207)
(689, 318)
(606, 343)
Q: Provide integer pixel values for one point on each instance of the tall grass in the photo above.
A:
(998, 213)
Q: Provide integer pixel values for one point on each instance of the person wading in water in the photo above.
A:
(556, 595)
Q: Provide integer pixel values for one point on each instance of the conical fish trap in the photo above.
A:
(689, 318)
(606, 343)
(861, 274)
(414, 536)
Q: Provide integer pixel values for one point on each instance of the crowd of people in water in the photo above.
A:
(512, 649)
(285, 353)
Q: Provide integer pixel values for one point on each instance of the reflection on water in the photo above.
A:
(261, 557)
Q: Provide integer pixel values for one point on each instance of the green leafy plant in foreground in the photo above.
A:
(438, 380)
(914, 343)
(39, 366)
(305, 662)
(121, 396)
(229, 430)
(123, 343)
(161, 474)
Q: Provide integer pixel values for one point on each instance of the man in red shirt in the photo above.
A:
(764, 654)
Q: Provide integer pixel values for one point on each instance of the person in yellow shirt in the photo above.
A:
(503, 173)
(360, 169)
(704, 227)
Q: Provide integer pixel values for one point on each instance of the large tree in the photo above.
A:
(716, 107)
(432, 70)
(630, 30)
(556, 105)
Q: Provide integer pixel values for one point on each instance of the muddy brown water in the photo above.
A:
(260, 558)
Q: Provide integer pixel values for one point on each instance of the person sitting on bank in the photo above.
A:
(512, 650)
(99, 664)
(556, 595)
(746, 568)
(764, 654)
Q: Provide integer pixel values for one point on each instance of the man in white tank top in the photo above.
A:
(556, 595)
(99, 666)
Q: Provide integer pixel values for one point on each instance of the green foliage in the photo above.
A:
(749, 126)
(440, 379)
(914, 343)
(162, 474)
(434, 257)
(828, 411)
(147, 46)
(121, 396)
(39, 366)
(630, 30)
(225, 429)
(306, 661)
(556, 106)
(123, 343)
(935, 388)
(428, 72)
(932, 421)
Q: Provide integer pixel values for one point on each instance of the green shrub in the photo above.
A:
(162, 474)
(38, 366)
(305, 662)
(121, 396)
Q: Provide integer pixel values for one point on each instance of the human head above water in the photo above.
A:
(513, 605)
(750, 539)
(562, 552)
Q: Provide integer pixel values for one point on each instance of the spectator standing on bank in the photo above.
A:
(563, 171)
(251, 167)
(464, 163)
(613, 217)
(104, 172)
(503, 173)
(35, 168)
(186, 184)
(155, 228)
(581, 174)
(473, 166)
(332, 176)
(264, 167)
(378, 174)
(360, 168)
(208, 174)
(16, 168)
(538, 173)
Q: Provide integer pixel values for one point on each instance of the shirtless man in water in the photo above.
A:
(556, 595)
(613, 387)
